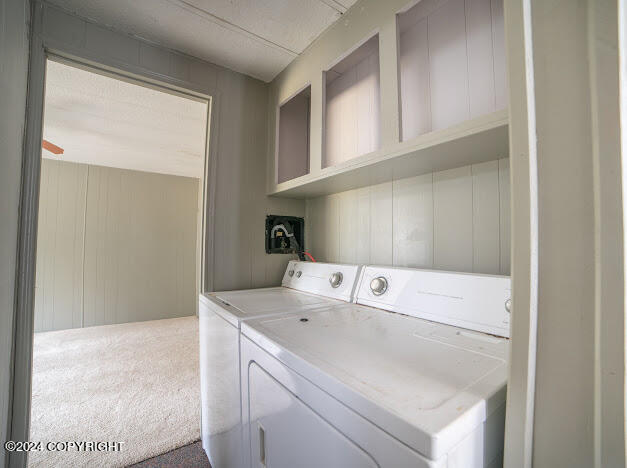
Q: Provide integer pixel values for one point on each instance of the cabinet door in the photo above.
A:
(286, 433)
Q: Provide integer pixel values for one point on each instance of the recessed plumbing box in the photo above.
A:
(285, 235)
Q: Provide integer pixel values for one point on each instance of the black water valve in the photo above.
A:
(285, 235)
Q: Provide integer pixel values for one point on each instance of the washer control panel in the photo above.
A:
(477, 302)
(333, 280)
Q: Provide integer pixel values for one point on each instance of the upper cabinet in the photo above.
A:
(293, 137)
(396, 90)
(352, 125)
(451, 62)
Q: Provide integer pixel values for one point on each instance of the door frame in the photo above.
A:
(41, 49)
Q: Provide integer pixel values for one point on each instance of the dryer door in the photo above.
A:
(286, 433)
(289, 422)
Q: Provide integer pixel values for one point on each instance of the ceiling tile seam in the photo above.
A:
(147, 41)
(230, 26)
(337, 6)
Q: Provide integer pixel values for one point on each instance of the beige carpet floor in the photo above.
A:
(135, 383)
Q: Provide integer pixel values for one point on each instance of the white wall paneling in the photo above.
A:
(505, 217)
(486, 215)
(412, 226)
(293, 145)
(352, 119)
(452, 63)
(113, 246)
(452, 220)
(381, 224)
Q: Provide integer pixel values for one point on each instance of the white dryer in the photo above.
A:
(355, 385)
(305, 285)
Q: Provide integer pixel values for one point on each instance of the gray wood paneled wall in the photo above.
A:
(452, 220)
(241, 204)
(238, 142)
(113, 246)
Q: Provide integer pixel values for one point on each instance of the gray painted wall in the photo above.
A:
(238, 142)
(114, 246)
(238, 146)
(14, 16)
(452, 220)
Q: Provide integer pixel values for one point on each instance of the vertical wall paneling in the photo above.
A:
(140, 245)
(331, 226)
(413, 221)
(352, 119)
(238, 143)
(229, 230)
(480, 57)
(504, 216)
(448, 65)
(498, 46)
(486, 225)
(453, 220)
(59, 280)
(354, 226)
(381, 224)
(266, 270)
(114, 246)
(293, 145)
(452, 63)
(415, 87)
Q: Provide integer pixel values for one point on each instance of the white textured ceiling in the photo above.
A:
(107, 122)
(256, 37)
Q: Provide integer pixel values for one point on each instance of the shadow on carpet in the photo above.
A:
(189, 456)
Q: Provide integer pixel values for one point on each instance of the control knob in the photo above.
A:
(336, 279)
(379, 285)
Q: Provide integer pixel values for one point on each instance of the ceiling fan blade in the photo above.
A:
(45, 144)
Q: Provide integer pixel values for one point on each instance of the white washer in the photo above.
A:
(352, 385)
(305, 286)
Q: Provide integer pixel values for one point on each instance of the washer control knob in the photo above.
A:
(291, 272)
(508, 306)
(379, 285)
(336, 279)
(298, 273)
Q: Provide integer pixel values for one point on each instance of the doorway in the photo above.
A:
(117, 269)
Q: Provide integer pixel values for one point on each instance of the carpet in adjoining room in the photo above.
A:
(136, 383)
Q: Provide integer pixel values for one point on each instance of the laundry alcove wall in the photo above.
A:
(456, 220)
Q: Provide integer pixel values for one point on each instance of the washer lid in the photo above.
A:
(257, 302)
(426, 383)
(236, 306)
